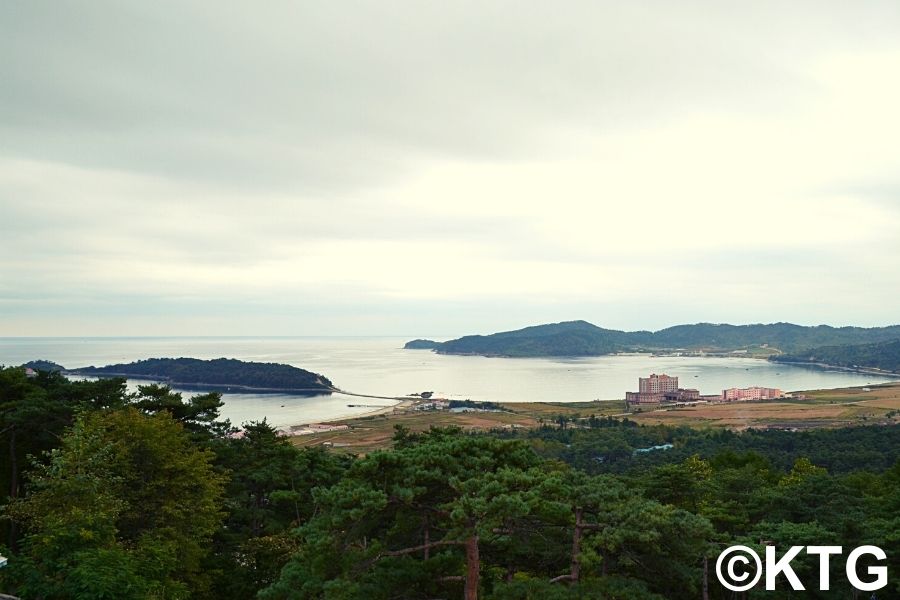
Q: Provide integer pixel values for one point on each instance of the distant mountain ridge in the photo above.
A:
(220, 373)
(580, 338)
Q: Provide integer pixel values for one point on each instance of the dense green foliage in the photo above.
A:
(580, 338)
(269, 492)
(218, 373)
(881, 355)
(611, 446)
(149, 495)
(125, 509)
(35, 413)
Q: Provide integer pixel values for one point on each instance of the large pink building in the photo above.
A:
(751, 393)
(657, 389)
(657, 384)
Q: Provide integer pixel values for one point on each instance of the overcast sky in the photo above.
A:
(443, 168)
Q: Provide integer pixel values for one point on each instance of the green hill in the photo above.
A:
(573, 338)
(421, 345)
(882, 355)
(580, 338)
(226, 373)
(43, 365)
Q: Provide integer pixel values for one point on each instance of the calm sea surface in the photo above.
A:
(380, 366)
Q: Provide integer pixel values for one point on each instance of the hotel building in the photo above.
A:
(657, 389)
(751, 393)
(657, 384)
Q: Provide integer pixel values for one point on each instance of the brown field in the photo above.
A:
(817, 408)
(549, 410)
(886, 397)
(743, 416)
(812, 409)
(371, 433)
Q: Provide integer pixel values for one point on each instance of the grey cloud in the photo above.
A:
(884, 192)
(206, 133)
(318, 96)
(64, 222)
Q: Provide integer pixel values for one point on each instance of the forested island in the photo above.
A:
(218, 374)
(111, 494)
(882, 356)
(580, 338)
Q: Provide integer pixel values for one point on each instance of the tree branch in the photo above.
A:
(421, 547)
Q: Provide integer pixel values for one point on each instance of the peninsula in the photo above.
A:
(580, 338)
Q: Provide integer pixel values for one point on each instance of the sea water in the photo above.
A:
(380, 366)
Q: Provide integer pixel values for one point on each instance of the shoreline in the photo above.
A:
(848, 406)
(675, 354)
(406, 403)
(829, 367)
(401, 405)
